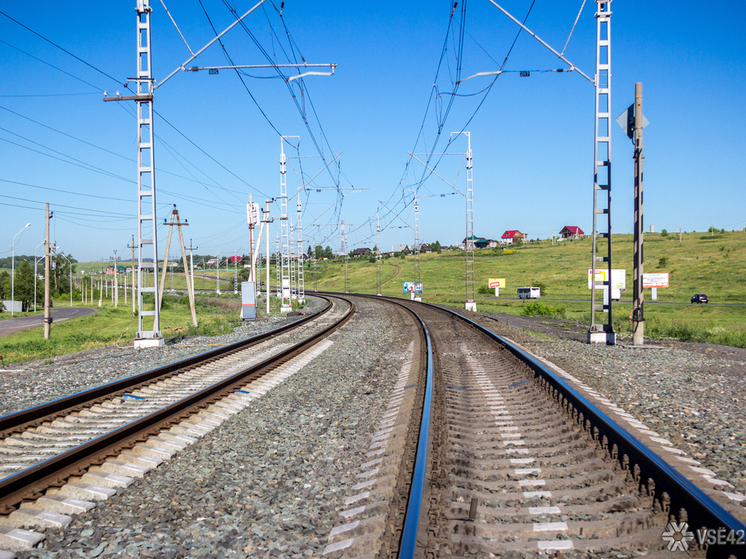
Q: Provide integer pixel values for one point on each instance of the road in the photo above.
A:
(13, 325)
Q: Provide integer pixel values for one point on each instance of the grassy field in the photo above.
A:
(711, 263)
(112, 326)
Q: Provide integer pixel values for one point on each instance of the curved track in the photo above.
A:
(519, 464)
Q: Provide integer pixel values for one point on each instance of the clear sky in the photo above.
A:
(218, 136)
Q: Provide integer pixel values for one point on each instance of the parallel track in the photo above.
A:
(62, 439)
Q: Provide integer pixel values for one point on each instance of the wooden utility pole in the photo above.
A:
(47, 268)
(174, 213)
(190, 290)
(638, 318)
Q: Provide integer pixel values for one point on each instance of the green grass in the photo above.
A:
(117, 326)
(700, 263)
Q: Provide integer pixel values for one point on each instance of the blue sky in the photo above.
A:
(218, 138)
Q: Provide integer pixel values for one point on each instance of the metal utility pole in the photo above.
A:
(471, 299)
(47, 271)
(147, 234)
(116, 282)
(638, 317)
(602, 333)
(301, 277)
(278, 266)
(191, 263)
(217, 280)
(235, 271)
(284, 286)
(416, 247)
(378, 255)
(267, 249)
(132, 246)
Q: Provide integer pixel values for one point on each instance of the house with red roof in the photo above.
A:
(513, 236)
(571, 232)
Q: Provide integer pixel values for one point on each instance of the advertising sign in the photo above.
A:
(412, 287)
(495, 283)
(618, 279)
(655, 280)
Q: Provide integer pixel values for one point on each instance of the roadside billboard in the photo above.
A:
(412, 287)
(495, 283)
(655, 280)
(618, 279)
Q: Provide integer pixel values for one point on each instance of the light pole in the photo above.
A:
(35, 274)
(13, 271)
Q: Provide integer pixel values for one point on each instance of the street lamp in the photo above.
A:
(13, 271)
(35, 274)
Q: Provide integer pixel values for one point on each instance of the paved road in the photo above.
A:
(13, 325)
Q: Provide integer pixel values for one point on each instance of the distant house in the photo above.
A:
(233, 259)
(120, 269)
(361, 252)
(399, 248)
(479, 242)
(513, 236)
(571, 232)
(212, 262)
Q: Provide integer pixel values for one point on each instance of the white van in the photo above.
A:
(529, 292)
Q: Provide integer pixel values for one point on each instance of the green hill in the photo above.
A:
(711, 263)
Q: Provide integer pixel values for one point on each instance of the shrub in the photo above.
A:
(484, 290)
(664, 233)
(536, 308)
(663, 262)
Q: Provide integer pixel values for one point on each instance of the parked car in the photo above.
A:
(699, 298)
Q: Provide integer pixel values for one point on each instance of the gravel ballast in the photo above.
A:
(268, 482)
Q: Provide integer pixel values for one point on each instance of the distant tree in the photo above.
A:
(4, 285)
(309, 252)
(328, 253)
(664, 233)
(60, 276)
(24, 284)
(436, 247)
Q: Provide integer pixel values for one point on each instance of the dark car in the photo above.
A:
(699, 298)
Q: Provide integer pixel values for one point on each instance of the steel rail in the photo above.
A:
(28, 417)
(702, 511)
(29, 483)
(408, 540)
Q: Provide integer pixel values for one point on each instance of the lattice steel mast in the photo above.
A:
(602, 332)
(147, 233)
(284, 286)
(471, 300)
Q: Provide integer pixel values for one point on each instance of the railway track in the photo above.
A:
(58, 459)
(490, 453)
